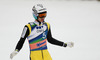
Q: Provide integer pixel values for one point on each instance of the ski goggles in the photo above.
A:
(42, 15)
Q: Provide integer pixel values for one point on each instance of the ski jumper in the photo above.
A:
(37, 36)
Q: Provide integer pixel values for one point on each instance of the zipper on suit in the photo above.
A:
(42, 54)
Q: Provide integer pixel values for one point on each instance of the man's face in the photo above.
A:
(41, 17)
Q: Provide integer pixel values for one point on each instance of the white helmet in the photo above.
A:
(39, 8)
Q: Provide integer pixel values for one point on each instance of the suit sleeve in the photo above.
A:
(24, 35)
(53, 40)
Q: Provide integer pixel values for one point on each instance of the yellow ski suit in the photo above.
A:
(38, 41)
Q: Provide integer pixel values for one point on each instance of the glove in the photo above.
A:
(13, 54)
(69, 44)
